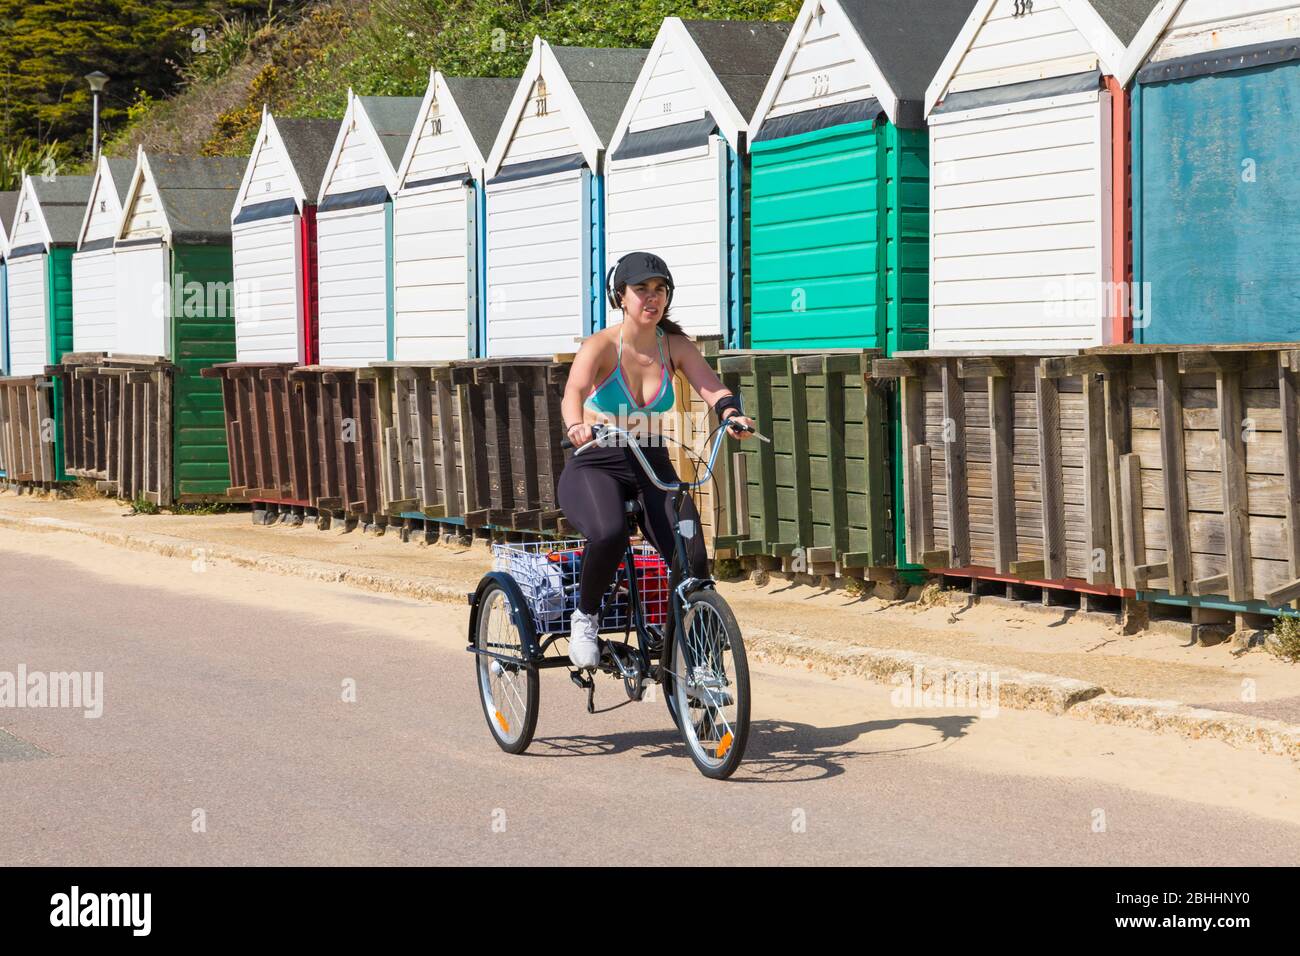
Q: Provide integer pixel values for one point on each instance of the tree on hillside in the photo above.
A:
(47, 46)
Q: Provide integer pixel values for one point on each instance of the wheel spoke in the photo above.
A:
(507, 696)
(702, 660)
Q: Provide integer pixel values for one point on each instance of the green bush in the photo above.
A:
(725, 568)
(1284, 642)
(143, 506)
(390, 53)
(208, 508)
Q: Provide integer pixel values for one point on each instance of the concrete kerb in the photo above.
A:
(420, 589)
(1016, 689)
(1195, 723)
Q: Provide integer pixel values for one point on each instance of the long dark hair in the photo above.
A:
(669, 326)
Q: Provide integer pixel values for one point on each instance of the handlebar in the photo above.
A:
(603, 431)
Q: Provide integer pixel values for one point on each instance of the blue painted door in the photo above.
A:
(1217, 207)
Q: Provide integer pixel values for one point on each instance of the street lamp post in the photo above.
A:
(97, 81)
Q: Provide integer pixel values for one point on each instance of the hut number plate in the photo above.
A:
(822, 82)
(1022, 8)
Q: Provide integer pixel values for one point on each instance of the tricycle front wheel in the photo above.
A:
(508, 688)
(710, 685)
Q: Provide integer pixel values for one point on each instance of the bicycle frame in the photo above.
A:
(535, 649)
(601, 430)
(677, 589)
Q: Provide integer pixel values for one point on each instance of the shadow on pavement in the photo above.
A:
(778, 752)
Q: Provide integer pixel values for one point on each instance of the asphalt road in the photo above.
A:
(225, 738)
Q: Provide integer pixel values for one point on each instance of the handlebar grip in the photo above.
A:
(597, 429)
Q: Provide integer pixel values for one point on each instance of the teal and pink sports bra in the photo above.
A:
(616, 398)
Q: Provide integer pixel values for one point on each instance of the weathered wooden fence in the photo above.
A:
(419, 422)
(513, 428)
(1208, 495)
(340, 414)
(1118, 470)
(819, 496)
(266, 433)
(27, 430)
(117, 423)
(1005, 468)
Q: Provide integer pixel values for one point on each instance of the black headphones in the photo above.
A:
(615, 300)
(611, 294)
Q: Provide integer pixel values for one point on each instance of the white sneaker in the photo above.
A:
(584, 650)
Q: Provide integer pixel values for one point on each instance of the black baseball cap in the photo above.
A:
(638, 266)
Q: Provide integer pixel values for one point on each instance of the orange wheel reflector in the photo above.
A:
(505, 724)
(724, 745)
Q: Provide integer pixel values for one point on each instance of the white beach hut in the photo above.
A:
(39, 273)
(1028, 120)
(274, 241)
(676, 183)
(8, 204)
(545, 198)
(438, 219)
(354, 222)
(94, 277)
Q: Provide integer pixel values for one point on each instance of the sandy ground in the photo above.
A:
(856, 723)
(1157, 664)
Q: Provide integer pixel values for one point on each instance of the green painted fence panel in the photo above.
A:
(839, 246)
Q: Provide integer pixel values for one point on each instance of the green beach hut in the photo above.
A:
(838, 227)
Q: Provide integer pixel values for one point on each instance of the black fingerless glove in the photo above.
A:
(725, 402)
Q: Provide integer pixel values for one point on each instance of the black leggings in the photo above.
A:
(592, 489)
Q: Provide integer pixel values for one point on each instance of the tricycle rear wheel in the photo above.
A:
(508, 686)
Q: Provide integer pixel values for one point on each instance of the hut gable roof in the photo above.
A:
(896, 44)
(112, 179)
(120, 170)
(475, 106)
(1176, 29)
(195, 194)
(908, 40)
(727, 62)
(602, 79)
(1124, 17)
(392, 118)
(380, 127)
(591, 86)
(741, 54)
(287, 161)
(8, 206)
(1109, 27)
(50, 212)
(482, 102)
(308, 143)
